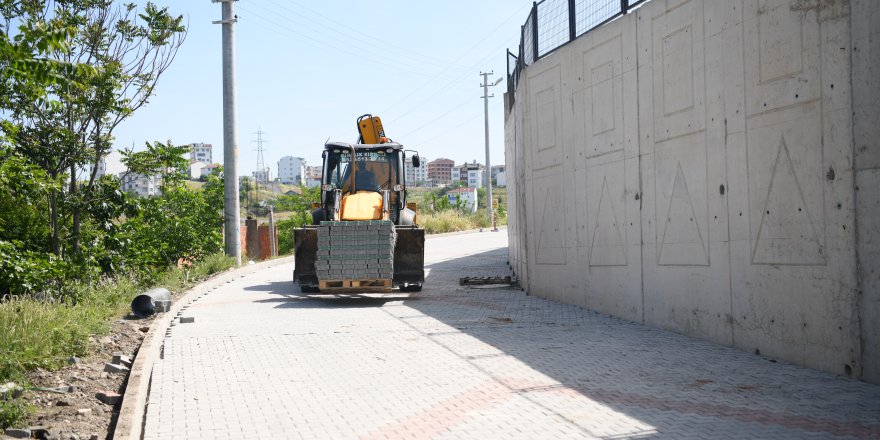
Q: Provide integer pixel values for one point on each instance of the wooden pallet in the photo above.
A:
(355, 284)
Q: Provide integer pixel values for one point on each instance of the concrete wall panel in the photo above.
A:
(795, 297)
(714, 148)
(866, 145)
(869, 267)
(686, 272)
(605, 163)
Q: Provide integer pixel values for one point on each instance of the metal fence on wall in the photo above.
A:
(553, 23)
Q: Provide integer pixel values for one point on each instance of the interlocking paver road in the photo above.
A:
(263, 361)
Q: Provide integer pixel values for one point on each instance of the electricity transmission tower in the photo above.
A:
(262, 173)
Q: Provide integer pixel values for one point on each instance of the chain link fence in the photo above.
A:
(553, 23)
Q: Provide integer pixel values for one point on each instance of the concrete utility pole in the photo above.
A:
(486, 97)
(232, 235)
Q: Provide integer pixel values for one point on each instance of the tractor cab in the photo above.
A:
(364, 182)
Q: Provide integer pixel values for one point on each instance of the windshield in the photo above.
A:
(373, 170)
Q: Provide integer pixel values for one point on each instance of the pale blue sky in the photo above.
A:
(306, 70)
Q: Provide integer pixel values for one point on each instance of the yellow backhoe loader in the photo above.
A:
(363, 235)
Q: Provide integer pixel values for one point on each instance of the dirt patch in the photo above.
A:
(79, 414)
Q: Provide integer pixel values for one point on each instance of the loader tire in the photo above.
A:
(411, 288)
(308, 289)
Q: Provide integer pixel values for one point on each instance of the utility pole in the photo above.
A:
(486, 97)
(232, 234)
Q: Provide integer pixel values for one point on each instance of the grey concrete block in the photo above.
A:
(108, 397)
(187, 319)
(115, 369)
(121, 359)
(18, 433)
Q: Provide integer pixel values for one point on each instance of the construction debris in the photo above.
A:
(482, 281)
(108, 397)
(115, 369)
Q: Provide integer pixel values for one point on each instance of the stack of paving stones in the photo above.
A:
(355, 250)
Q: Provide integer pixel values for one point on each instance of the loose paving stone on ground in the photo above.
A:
(265, 361)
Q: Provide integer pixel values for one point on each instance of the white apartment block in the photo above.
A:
(475, 178)
(469, 173)
(141, 185)
(468, 197)
(201, 152)
(292, 170)
(111, 164)
(195, 169)
(415, 176)
(498, 169)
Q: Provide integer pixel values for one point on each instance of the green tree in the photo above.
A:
(126, 50)
(179, 223)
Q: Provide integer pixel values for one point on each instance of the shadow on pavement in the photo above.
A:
(289, 296)
(276, 287)
(651, 383)
(351, 301)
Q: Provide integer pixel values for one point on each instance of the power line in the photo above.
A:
(469, 69)
(360, 37)
(471, 118)
(444, 88)
(354, 55)
(461, 104)
(448, 86)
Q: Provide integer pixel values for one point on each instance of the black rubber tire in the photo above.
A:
(308, 289)
(411, 288)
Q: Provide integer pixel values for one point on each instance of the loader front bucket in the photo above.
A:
(409, 255)
(305, 242)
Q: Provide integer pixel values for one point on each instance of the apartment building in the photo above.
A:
(292, 170)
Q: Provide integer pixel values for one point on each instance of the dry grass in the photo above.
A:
(454, 221)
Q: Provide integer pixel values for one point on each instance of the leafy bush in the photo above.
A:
(179, 224)
(24, 272)
(11, 411)
(285, 231)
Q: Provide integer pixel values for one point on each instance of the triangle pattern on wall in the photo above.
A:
(607, 246)
(549, 248)
(682, 241)
(787, 233)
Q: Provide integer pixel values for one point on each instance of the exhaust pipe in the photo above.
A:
(151, 301)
